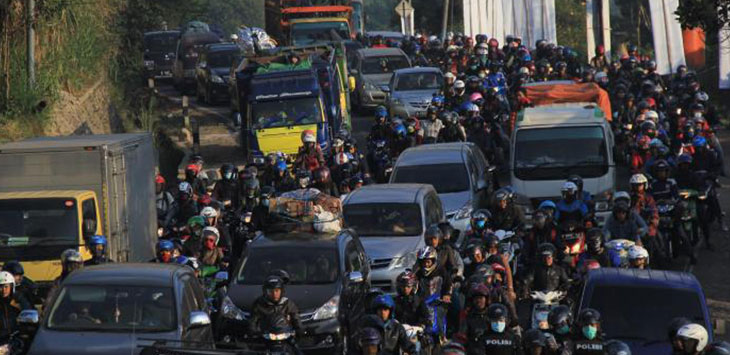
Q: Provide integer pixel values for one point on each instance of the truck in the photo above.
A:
(292, 23)
(278, 100)
(189, 46)
(56, 192)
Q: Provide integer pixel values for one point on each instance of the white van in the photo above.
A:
(552, 142)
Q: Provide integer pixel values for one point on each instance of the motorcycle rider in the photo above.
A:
(409, 307)
(498, 339)
(24, 286)
(559, 337)
(547, 275)
(71, 261)
(638, 257)
(643, 203)
(165, 203)
(309, 156)
(479, 225)
(431, 126)
(581, 194)
(210, 253)
(393, 334)
(453, 130)
(97, 247)
(226, 189)
(323, 182)
(186, 203)
(272, 306)
(475, 323)
(379, 131)
(435, 288)
(163, 252)
(196, 182)
(570, 207)
(11, 304)
(596, 250)
(624, 224)
(212, 219)
(692, 339)
(589, 339)
(662, 187)
(434, 237)
(477, 258)
(505, 214)
(543, 231)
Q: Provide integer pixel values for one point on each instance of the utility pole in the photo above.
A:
(445, 20)
(31, 42)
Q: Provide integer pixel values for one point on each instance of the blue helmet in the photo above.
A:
(438, 100)
(381, 111)
(383, 301)
(527, 58)
(281, 166)
(97, 240)
(684, 158)
(164, 244)
(547, 204)
(699, 141)
(400, 130)
(182, 260)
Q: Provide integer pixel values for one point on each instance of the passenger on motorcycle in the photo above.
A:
(393, 334)
(97, 247)
(186, 203)
(212, 219)
(547, 275)
(409, 307)
(505, 214)
(476, 258)
(432, 126)
(638, 257)
(588, 339)
(191, 177)
(570, 207)
(309, 156)
(226, 189)
(273, 305)
(581, 194)
(595, 250)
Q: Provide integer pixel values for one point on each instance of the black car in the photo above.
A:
(329, 282)
(213, 71)
(159, 53)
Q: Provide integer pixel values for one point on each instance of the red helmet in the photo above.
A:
(493, 42)
(600, 49)
(159, 179)
(193, 167)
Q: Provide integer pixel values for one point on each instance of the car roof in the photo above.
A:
(417, 70)
(637, 277)
(431, 154)
(388, 193)
(132, 274)
(380, 52)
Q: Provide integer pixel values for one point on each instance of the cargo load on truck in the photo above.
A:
(547, 94)
(292, 23)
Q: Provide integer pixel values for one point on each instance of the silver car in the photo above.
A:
(469, 181)
(390, 220)
(411, 90)
(372, 69)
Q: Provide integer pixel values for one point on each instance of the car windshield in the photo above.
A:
(222, 59)
(419, 81)
(551, 154)
(122, 308)
(284, 113)
(164, 42)
(306, 265)
(384, 219)
(628, 317)
(315, 32)
(383, 65)
(434, 175)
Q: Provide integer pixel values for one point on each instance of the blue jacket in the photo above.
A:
(575, 207)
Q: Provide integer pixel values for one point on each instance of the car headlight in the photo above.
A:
(464, 212)
(230, 311)
(328, 310)
(405, 261)
(216, 79)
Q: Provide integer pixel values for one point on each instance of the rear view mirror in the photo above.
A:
(28, 317)
(355, 277)
(199, 319)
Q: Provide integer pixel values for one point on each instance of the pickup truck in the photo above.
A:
(55, 192)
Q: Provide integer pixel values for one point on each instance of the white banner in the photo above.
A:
(529, 19)
(724, 64)
(667, 34)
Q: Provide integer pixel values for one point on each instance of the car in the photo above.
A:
(638, 305)
(186, 57)
(159, 53)
(116, 308)
(213, 71)
(329, 284)
(372, 70)
(470, 177)
(351, 48)
(411, 90)
(391, 220)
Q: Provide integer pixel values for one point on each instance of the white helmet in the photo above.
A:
(212, 230)
(185, 187)
(652, 115)
(209, 212)
(638, 252)
(638, 179)
(341, 158)
(459, 84)
(696, 332)
(7, 278)
(449, 75)
(308, 137)
(524, 71)
(569, 186)
(621, 195)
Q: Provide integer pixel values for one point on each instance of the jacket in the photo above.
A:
(264, 314)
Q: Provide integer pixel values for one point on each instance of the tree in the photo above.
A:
(709, 15)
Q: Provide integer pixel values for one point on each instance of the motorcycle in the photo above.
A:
(416, 335)
(688, 217)
(666, 228)
(278, 339)
(544, 302)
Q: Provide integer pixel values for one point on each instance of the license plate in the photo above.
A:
(420, 113)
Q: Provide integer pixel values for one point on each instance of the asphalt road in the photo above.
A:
(219, 144)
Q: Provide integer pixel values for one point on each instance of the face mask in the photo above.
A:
(563, 329)
(165, 257)
(228, 176)
(498, 327)
(698, 114)
(589, 332)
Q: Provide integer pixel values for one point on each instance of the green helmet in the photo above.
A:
(196, 220)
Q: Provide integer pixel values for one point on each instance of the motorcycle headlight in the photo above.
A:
(216, 79)
(464, 212)
(405, 261)
(230, 311)
(702, 197)
(328, 310)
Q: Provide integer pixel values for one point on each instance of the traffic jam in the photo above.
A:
(506, 198)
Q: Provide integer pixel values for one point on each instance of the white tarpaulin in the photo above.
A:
(530, 19)
(667, 33)
(724, 65)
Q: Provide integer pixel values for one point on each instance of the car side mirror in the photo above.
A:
(352, 83)
(29, 317)
(482, 185)
(355, 277)
(198, 319)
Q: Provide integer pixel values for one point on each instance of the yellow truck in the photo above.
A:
(55, 192)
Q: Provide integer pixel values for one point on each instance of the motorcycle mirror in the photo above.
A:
(28, 317)
(221, 276)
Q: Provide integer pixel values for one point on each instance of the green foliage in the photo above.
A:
(377, 19)
(570, 18)
(709, 15)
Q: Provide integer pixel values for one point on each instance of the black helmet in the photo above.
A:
(594, 240)
(480, 219)
(272, 282)
(534, 338)
(447, 230)
(491, 241)
(577, 180)
(431, 232)
(560, 317)
(718, 348)
(497, 311)
(406, 279)
(546, 249)
(617, 347)
(621, 206)
(369, 336)
(228, 171)
(503, 194)
(588, 316)
(14, 267)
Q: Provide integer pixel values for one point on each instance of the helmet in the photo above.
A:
(185, 188)
(71, 256)
(699, 141)
(228, 171)
(569, 188)
(322, 175)
(14, 267)
(559, 318)
(159, 179)
(503, 194)
(497, 311)
(7, 278)
(702, 96)
(480, 219)
(638, 252)
(616, 347)
(475, 96)
(426, 253)
(694, 337)
(459, 84)
(281, 166)
(400, 130)
(433, 231)
(547, 204)
(308, 136)
(273, 282)
(652, 115)
(479, 289)
(594, 240)
(577, 180)
(491, 241)
(684, 158)
(164, 245)
(718, 348)
(209, 212)
(383, 301)
(196, 221)
(588, 316)
(638, 179)
(369, 336)
(534, 338)
(97, 240)
(406, 279)
(381, 111)
(621, 206)
(546, 249)
(208, 231)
